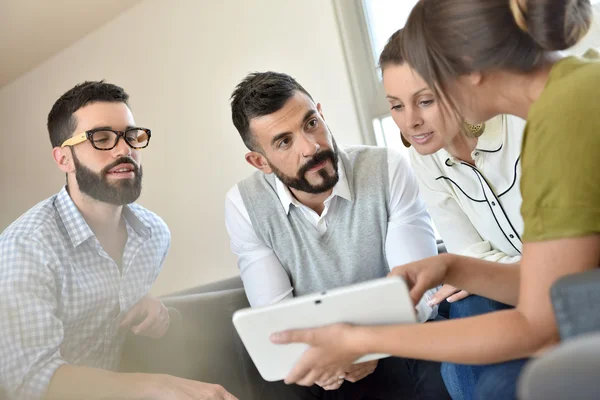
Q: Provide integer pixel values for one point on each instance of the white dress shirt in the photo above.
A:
(410, 234)
(476, 209)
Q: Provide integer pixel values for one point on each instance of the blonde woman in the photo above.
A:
(469, 177)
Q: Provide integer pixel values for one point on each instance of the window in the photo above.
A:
(365, 27)
(383, 18)
(387, 134)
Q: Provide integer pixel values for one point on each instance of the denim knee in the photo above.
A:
(475, 305)
(499, 382)
(459, 380)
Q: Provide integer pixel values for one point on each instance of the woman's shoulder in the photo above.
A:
(571, 91)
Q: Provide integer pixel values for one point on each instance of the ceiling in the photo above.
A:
(31, 31)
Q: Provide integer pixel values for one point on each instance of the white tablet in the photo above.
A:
(382, 301)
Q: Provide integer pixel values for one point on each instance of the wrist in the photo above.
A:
(360, 340)
(138, 386)
(449, 261)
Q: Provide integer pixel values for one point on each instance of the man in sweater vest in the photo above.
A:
(315, 217)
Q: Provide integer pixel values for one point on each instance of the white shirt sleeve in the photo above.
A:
(265, 280)
(410, 235)
(453, 224)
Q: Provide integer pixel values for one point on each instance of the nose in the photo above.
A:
(413, 118)
(122, 149)
(309, 146)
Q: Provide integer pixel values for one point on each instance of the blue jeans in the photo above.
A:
(499, 381)
(461, 380)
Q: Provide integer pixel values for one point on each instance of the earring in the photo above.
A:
(475, 130)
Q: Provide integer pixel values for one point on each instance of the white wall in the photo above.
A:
(179, 60)
(592, 39)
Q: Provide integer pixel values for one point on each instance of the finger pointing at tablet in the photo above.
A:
(422, 275)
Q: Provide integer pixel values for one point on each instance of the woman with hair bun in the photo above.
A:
(489, 58)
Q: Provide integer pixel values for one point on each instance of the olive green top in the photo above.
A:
(560, 181)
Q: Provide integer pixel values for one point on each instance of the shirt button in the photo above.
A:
(493, 203)
(476, 153)
(511, 236)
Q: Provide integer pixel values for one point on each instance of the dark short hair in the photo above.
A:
(257, 95)
(443, 40)
(62, 123)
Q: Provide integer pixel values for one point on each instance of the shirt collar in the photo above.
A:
(493, 137)
(491, 141)
(78, 229)
(341, 189)
(137, 221)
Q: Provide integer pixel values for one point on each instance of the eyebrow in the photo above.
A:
(281, 135)
(413, 95)
(110, 128)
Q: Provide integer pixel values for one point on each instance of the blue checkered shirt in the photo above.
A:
(62, 296)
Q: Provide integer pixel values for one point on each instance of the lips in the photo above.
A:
(422, 138)
(318, 166)
(317, 162)
(122, 168)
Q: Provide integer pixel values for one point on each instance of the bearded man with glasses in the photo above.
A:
(75, 270)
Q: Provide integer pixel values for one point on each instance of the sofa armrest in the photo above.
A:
(573, 297)
(225, 284)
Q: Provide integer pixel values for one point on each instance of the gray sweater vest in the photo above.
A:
(352, 249)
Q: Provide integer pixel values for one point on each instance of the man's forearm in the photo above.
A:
(496, 281)
(71, 382)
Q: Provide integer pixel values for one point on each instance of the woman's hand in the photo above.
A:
(423, 275)
(332, 352)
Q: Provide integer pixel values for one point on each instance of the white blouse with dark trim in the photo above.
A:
(476, 209)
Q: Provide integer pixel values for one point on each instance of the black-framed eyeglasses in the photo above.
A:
(107, 139)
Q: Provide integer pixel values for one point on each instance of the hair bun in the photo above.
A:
(554, 24)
